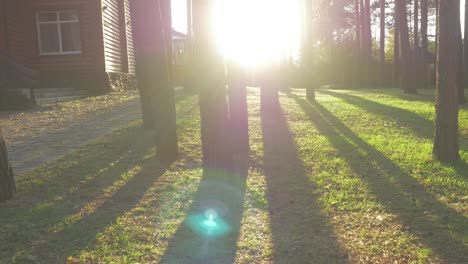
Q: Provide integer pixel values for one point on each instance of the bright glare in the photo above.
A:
(257, 32)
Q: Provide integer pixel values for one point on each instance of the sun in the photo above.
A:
(257, 32)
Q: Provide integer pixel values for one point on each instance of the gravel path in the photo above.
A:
(65, 136)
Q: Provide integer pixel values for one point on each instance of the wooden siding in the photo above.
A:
(130, 46)
(24, 44)
(112, 21)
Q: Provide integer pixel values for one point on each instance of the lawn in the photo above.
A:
(349, 178)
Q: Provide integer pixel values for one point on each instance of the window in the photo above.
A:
(59, 32)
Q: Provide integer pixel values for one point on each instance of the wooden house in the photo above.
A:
(83, 44)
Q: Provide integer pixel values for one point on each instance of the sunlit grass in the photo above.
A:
(369, 153)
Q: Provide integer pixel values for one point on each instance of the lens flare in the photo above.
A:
(208, 224)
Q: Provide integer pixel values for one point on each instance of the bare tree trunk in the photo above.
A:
(465, 44)
(366, 36)
(396, 51)
(166, 128)
(416, 56)
(382, 42)
(460, 77)
(424, 15)
(358, 53)
(7, 181)
(416, 24)
(210, 83)
(446, 122)
(151, 22)
(437, 28)
(238, 114)
(406, 61)
(368, 31)
(308, 63)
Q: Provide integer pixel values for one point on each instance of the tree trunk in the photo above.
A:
(368, 32)
(465, 44)
(424, 14)
(209, 73)
(446, 122)
(382, 42)
(416, 51)
(406, 61)
(151, 23)
(238, 114)
(7, 182)
(416, 24)
(437, 28)
(460, 77)
(308, 62)
(166, 126)
(358, 52)
(366, 37)
(396, 51)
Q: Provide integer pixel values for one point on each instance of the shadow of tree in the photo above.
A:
(421, 126)
(438, 226)
(71, 238)
(421, 96)
(62, 206)
(301, 233)
(211, 228)
(53, 193)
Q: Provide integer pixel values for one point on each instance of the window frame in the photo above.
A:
(58, 23)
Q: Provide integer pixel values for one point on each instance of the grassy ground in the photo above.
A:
(347, 179)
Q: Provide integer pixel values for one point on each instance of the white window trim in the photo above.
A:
(58, 23)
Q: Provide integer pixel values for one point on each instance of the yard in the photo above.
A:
(347, 179)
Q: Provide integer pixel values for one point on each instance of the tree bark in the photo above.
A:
(396, 51)
(437, 28)
(308, 62)
(465, 44)
(368, 31)
(460, 77)
(151, 23)
(238, 114)
(446, 122)
(7, 182)
(416, 25)
(366, 37)
(382, 42)
(406, 61)
(209, 73)
(416, 51)
(424, 51)
(358, 52)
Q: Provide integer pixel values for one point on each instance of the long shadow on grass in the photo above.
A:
(74, 236)
(421, 126)
(211, 228)
(300, 230)
(89, 187)
(53, 193)
(423, 95)
(438, 226)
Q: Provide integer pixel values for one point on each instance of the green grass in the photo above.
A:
(348, 178)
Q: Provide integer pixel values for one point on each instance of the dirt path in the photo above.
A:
(36, 137)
